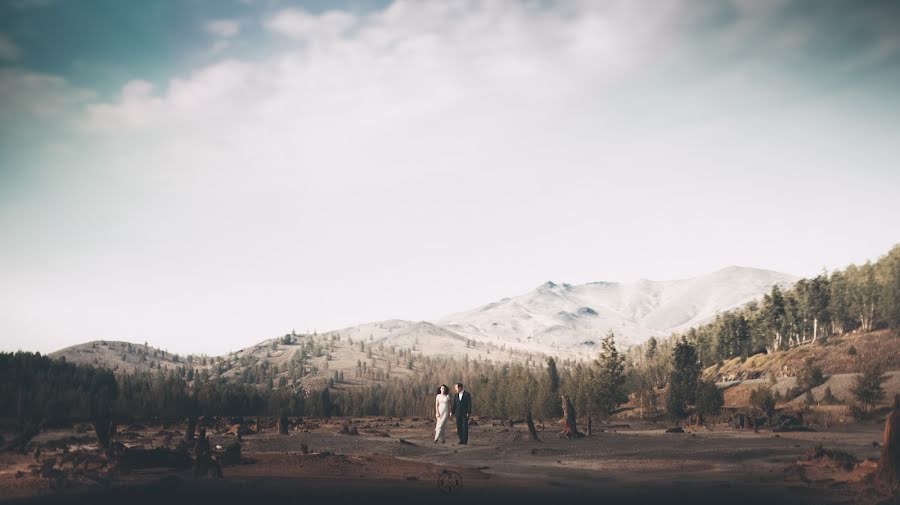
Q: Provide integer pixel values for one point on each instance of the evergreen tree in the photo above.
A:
(683, 379)
(889, 267)
(867, 388)
(553, 404)
(709, 399)
(774, 318)
(609, 383)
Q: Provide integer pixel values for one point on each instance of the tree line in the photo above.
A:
(864, 298)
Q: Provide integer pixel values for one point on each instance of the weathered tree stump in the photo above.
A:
(102, 426)
(202, 445)
(233, 454)
(889, 464)
(570, 427)
(283, 425)
(531, 429)
(191, 429)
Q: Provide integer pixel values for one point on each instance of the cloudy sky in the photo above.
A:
(203, 174)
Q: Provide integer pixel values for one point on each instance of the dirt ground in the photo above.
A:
(394, 460)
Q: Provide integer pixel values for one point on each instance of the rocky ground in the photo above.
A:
(393, 459)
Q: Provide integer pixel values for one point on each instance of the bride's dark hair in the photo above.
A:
(445, 387)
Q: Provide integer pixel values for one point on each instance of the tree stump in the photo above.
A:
(590, 426)
(283, 425)
(570, 427)
(233, 454)
(531, 429)
(191, 429)
(889, 464)
(202, 445)
(102, 425)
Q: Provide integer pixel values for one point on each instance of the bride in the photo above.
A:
(441, 412)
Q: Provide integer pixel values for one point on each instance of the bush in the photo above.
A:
(867, 389)
(809, 399)
(851, 351)
(829, 398)
(778, 397)
(762, 401)
(810, 376)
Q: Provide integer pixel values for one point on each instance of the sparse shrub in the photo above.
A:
(763, 401)
(867, 389)
(809, 399)
(851, 351)
(809, 377)
(778, 396)
(829, 397)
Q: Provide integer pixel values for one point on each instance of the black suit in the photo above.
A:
(462, 409)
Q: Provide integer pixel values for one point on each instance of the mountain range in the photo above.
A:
(553, 319)
(564, 319)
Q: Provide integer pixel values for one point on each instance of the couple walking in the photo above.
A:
(458, 405)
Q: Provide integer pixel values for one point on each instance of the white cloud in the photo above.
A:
(223, 27)
(32, 96)
(430, 156)
(8, 50)
(299, 24)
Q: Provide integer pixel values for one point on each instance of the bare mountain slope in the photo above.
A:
(554, 319)
(562, 318)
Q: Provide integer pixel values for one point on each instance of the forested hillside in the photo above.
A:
(857, 298)
(334, 374)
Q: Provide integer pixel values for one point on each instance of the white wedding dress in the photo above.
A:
(442, 413)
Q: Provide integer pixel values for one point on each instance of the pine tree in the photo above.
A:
(709, 399)
(890, 299)
(683, 380)
(609, 386)
(867, 388)
(774, 318)
(553, 404)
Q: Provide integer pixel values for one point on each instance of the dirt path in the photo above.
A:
(641, 464)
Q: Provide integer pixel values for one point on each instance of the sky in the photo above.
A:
(205, 174)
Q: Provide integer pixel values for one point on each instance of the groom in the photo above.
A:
(461, 408)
